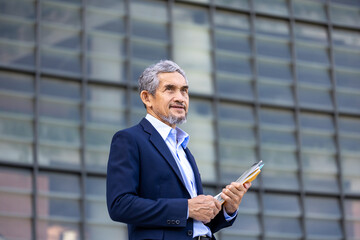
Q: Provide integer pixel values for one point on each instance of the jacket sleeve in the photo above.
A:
(122, 185)
(219, 222)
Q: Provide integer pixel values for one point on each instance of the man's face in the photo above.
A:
(171, 100)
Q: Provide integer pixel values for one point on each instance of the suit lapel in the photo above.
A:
(161, 146)
(195, 170)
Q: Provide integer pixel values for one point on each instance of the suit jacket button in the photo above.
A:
(177, 222)
(190, 232)
(172, 221)
(168, 222)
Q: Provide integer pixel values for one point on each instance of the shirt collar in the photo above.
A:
(164, 130)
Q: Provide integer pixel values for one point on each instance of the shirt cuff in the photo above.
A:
(228, 218)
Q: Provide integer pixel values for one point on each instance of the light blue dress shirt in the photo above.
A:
(177, 140)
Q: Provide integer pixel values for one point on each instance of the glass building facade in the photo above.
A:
(277, 80)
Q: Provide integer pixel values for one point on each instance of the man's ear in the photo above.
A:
(145, 98)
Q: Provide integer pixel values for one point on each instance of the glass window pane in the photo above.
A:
(349, 125)
(15, 228)
(57, 230)
(311, 33)
(313, 75)
(106, 23)
(317, 122)
(320, 172)
(18, 8)
(324, 229)
(276, 93)
(347, 58)
(60, 38)
(346, 38)
(312, 53)
(227, 63)
(283, 227)
(61, 62)
(232, 42)
(347, 80)
(114, 5)
(60, 89)
(17, 31)
(232, 22)
(273, 48)
(309, 10)
(277, 118)
(234, 87)
(106, 45)
(234, 4)
(149, 52)
(274, 70)
(149, 10)
(145, 29)
(271, 27)
(311, 97)
(345, 15)
(13, 54)
(277, 7)
(57, 183)
(100, 231)
(348, 101)
(321, 207)
(286, 205)
(62, 14)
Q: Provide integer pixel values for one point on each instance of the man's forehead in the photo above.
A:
(173, 78)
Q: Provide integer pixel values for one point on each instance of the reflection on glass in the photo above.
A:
(56, 230)
(311, 33)
(9, 228)
(276, 93)
(271, 27)
(229, 86)
(321, 207)
(283, 226)
(234, 4)
(60, 14)
(313, 75)
(18, 8)
(277, 7)
(273, 48)
(312, 97)
(17, 55)
(344, 15)
(323, 228)
(309, 10)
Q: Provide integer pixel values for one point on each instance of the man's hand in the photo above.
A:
(232, 195)
(203, 208)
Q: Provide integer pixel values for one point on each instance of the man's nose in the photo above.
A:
(179, 96)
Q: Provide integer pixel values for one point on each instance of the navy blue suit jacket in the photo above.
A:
(145, 188)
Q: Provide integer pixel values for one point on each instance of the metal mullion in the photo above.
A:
(83, 120)
(297, 121)
(336, 120)
(35, 168)
(257, 114)
(128, 62)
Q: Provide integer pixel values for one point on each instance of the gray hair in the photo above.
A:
(149, 78)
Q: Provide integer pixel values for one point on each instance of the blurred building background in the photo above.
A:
(277, 80)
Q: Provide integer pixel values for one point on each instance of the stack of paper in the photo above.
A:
(248, 176)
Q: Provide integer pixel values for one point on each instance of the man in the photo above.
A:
(153, 183)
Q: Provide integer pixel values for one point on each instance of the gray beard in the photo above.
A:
(173, 120)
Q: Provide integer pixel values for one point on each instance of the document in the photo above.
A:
(248, 176)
